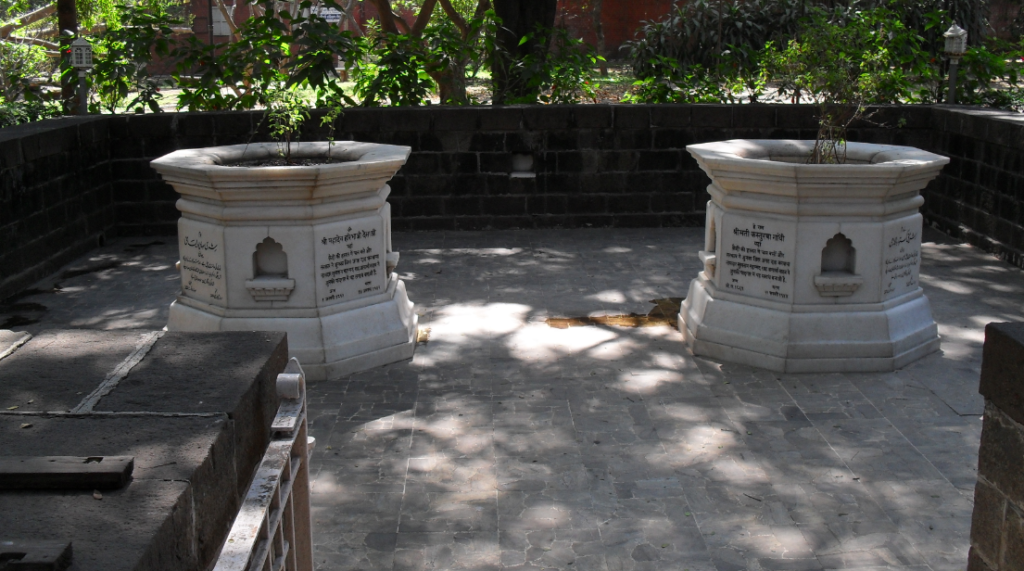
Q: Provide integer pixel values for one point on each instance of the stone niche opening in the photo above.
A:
(838, 255)
(838, 262)
(269, 260)
(270, 273)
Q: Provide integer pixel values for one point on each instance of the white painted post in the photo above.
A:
(273, 529)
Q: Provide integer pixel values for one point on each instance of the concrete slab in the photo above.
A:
(195, 413)
(117, 531)
(201, 373)
(11, 340)
(56, 369)
(114, 532)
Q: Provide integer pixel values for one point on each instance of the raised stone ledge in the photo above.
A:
(1002, 368)
(195, 413)
(997, 524)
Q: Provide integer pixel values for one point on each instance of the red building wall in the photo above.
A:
(620, 18)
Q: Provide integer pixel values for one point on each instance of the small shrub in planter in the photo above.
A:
(844, 62)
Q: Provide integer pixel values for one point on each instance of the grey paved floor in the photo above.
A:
(506, 444)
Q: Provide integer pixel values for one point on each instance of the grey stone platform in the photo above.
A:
(195, 413)
(507, 444)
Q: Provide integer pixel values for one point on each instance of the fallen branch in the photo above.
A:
(26, 19)
(33, 41)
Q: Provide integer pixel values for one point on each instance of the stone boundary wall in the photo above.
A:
(594, 165)
(55, 196)
(997, 525)
(979, 197)
(69, 182)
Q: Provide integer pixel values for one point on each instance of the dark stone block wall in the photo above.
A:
(997, 526)
(144, 203)
(594, 165)
(55, 196)
(69, 181)
(979, 197)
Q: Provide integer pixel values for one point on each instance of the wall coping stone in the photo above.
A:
(1002, 368)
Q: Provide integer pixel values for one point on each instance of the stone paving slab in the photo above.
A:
(507, 444)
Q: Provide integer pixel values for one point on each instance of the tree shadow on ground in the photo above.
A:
(507, 443)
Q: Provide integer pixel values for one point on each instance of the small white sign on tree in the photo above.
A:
(332, 15)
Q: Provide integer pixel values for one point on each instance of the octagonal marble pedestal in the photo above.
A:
(301, 249)
(811, 268)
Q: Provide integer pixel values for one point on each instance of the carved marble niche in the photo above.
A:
(838, 261)
(270, 273)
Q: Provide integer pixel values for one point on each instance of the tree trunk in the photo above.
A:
(598, 6)
(518, 18)
(451, 84)
(67, 20)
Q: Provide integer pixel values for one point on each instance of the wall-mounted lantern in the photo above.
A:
(956, 45)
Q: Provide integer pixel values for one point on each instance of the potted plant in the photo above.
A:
(812, 248)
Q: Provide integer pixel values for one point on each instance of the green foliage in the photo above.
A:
(123, 56)
(450, 54)
(698, 33)
(922, 16)
(274, 49)
(562, 74)
(19, 63)
(396, 71)
(18, 112)
(838, 60)
(708, 52)
(981, 69)
(286, 112)
(236, 75)
(318, 42)
(843, 63)
(675, 84)
(730, 81)
(401, 69)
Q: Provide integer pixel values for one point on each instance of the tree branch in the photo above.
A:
(455, 17)
(34, 41)
(54, 32)
(387, 17)
(481, 7)
(424, 17)
(26, 19)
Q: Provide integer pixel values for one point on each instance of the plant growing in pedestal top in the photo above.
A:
(286, 111)
(844, 60)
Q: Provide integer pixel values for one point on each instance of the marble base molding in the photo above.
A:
(811, 268)
(301, 249)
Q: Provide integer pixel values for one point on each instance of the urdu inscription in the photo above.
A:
(202, 265)
(757, 262)
(902, 261)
